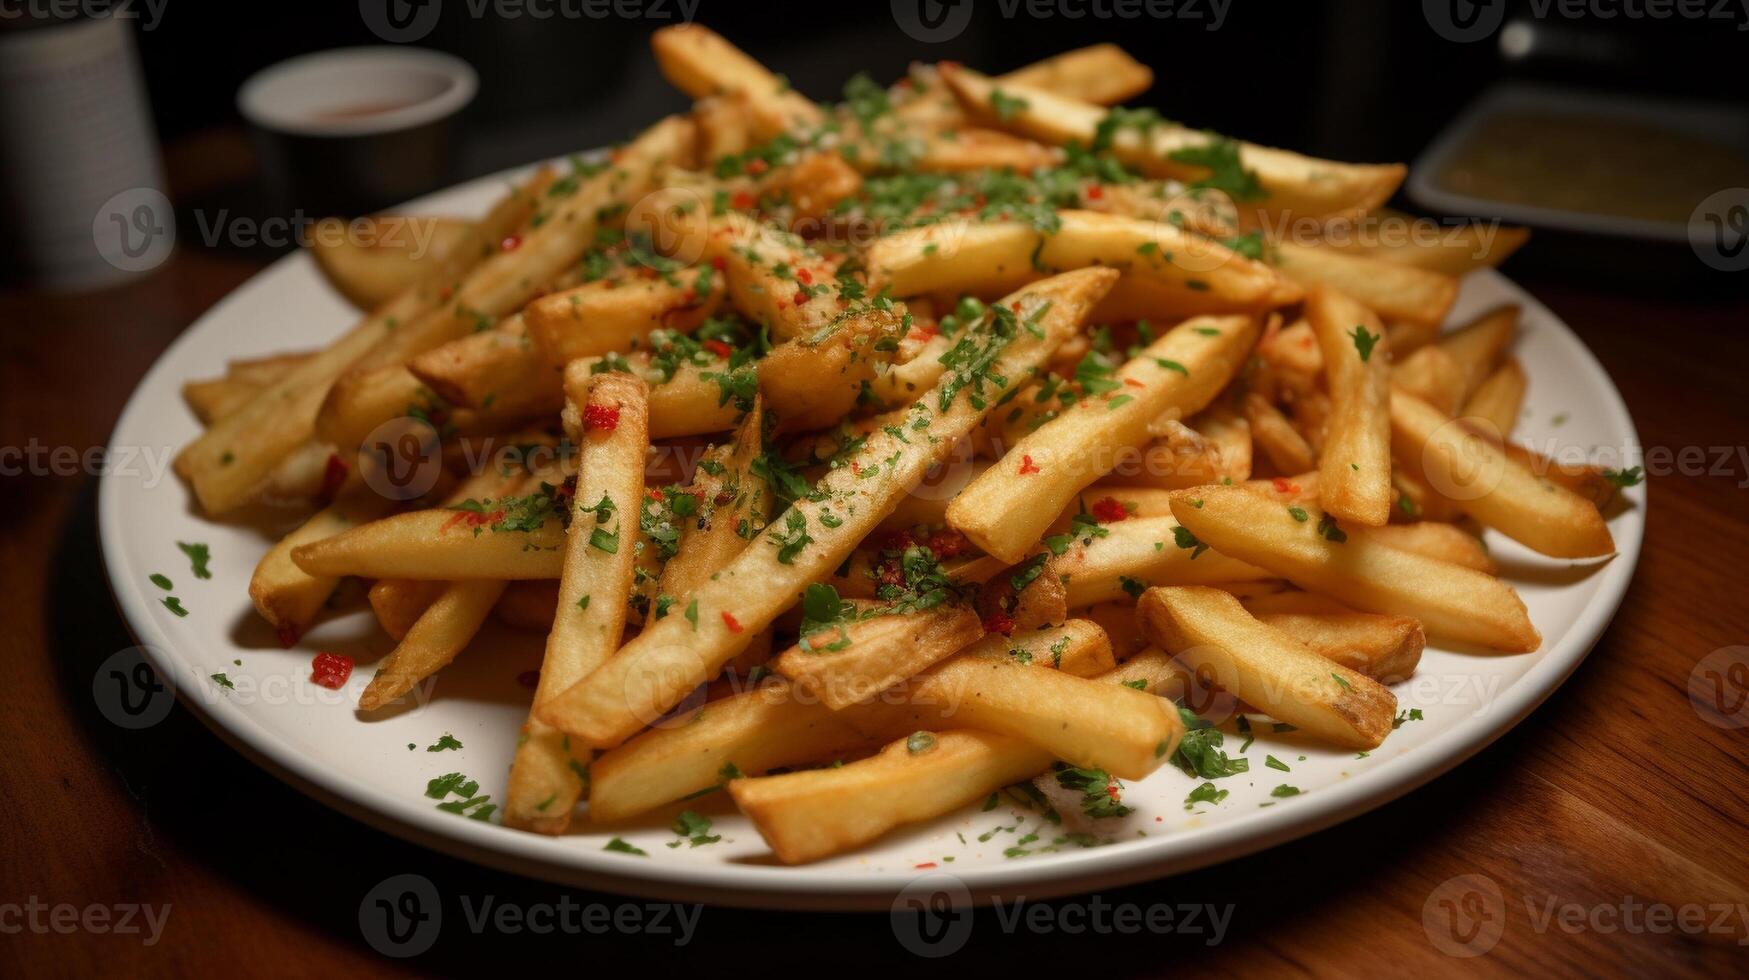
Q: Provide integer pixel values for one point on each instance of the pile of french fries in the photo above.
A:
(864, 459)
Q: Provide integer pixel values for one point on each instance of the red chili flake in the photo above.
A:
(330, 670)
(1095, 192)
(718, 348)
(731, 622)
(924, 866)
(804, 277)
(888, 572)
(947, 543)
(925, 330)
(1109, 510)
(445, 292)
(1282, 485)
(1133, 383)
(742, 201)
(1112, 791)
(723, 498)
(1027, 466)
(757, 167)
(719, 263)
(473, 518)
(801, 297)
(897, 541)
(655, 493)
(999, 622)
(333, 475)
(288, 635)
(603, 417)
(510, 244)
(529, 679)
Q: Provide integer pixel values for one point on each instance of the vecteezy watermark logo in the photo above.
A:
(932, 21)
(64, 919)
(401, 916)
(1465, 915)
(1718, 687)
(135, 230)
(129, 693)
(1463, 21)
(149, 13)
(402, 458)
(932, 916)
(1718, 230)
(400, 21)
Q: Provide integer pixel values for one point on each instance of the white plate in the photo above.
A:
(313, 738)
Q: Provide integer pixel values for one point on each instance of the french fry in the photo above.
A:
(1406, 338)
(442, 631)
(1478, 347)
(529, 605)
(1209, 631)
(701, 62)
(229, 462)
(1446, 542)
(1290, 184)
(806, 816)
(593, 592)
(1453, 250)
(733, 501)
(1451, 601)
(289, 597)
(1354, 465)
(440, 544)
(809, 815)
(1103, 74)
(1499, 399)
(1491, 487)
(773, 725)
(811, 382)
(774, 278)
(1166, 270)
(482, 368)
(1133, 554)
(653, 672)
(973, 149)
(1282, 444)
(399, 602)
(1293, 349)
(603, 317)
(1007, 509)
(1384, 648)
(507, 280)
(686, 404)
(1433, 376)
(1395, 292)
(864, 658)
(395, 253)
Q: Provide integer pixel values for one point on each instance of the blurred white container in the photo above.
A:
(80, 176)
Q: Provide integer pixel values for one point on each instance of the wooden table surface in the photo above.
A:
(1615, 791)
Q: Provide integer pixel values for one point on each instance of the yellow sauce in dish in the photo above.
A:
(1592, 165)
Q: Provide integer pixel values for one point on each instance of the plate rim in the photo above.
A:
(802, 888)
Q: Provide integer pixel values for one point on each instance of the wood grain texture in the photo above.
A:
(1615, 787)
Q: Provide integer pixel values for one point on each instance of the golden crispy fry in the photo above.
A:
(1134, 554)
(1354, 465)
(1291, 185)
(1431, 375)
(593, 591)
(1478, 347)
(399, 602)
(773, 725)
(864, 658)
(1492, 487)
(1451, 601)
(394, 254)
(529, 605)
(1406, 240)
(441, 544)
(1104, 74)
(227, 464)
(1395, 292)
(1213, 636)
(289, 597)
(1282, 444)
(605, 317)
(1166, 270)
(1009, 507)
(811, 382)
(1499, 399)
(442, 631)
(701, 62)
(1384, 648)
(733, 502)
(686, 404)
(653, 672)
(1447, 542)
